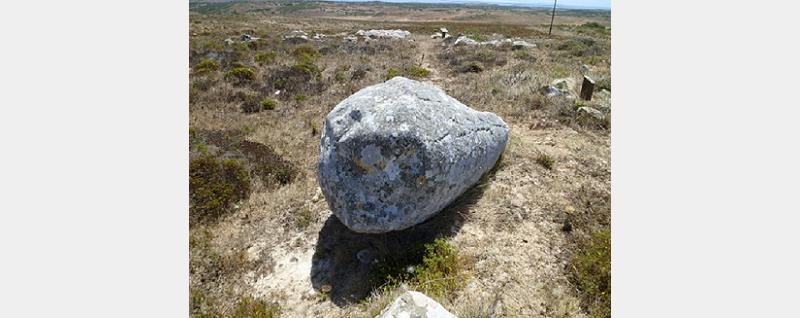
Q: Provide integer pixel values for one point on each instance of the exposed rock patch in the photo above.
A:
(416, 305)
(384, 34)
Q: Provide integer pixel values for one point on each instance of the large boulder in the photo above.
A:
(394, 154)
(416, 305)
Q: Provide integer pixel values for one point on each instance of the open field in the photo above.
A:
(530, 240)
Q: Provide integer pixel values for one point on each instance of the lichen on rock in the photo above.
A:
(392, 155)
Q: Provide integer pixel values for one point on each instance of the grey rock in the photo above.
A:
(464, 40)
(384, 34)
(248, 38)
(296, 37)
(520, 44)
(565, 85)
(550, 90)
(394, 154)
(413, 304)
(590, 112)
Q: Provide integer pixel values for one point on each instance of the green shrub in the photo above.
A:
(300, 98)
(241, 74)
(391, 73)
(339, 74)
(264, 58)
(545, 161)
(466, 60)
(250, 102)
(206, 66)
(214, 185)
(441, 269)
(592, 274)
(255, 308)
(584, 46)
(301, 78)
(305, 64)
(268, 104)
(418, 71)
(305, 51)
(435, 268)
(593, 25)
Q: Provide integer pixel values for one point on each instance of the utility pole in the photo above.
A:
(552, 17)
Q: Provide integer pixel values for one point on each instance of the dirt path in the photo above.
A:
(428, 48)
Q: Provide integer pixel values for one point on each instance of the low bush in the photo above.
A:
(339, 73)
(593, 28)
(592, 25)
(215, 185)
(265, 58)
(301, 78)
(248, 307)
(464, 60)
(268, 104)
(206, 66)
(435, 268)
(306, 63)
(592, 274)
(252, 104)
(391, 73)
(418, 71)
(583, 47)
(241, 74)
(305, 51)
(545, 161)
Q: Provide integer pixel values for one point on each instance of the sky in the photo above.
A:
(589, 4)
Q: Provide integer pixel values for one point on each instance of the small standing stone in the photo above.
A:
(587, 88)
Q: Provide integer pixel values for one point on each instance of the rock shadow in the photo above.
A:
(344, 260)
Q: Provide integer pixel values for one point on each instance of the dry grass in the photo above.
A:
(509, 227)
